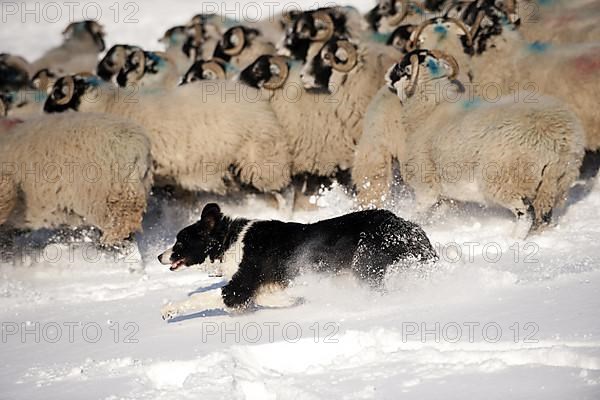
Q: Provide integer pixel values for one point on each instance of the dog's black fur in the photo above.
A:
(366, 243)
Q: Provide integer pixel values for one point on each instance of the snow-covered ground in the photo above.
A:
(497, 318)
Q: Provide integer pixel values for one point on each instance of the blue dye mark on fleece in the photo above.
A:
(93, 81)
(434, 68)
(380, 37)
(471, 104)
(441, 30)
(545, 3)
(538, 47)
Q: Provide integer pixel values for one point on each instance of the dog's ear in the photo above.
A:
(211, 214)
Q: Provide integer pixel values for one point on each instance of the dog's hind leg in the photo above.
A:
(274, 296)
(198, 302)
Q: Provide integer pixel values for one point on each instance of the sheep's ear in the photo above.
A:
(211, 214)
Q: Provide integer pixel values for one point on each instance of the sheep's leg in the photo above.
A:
(523, 210)
(8, 197)
(198, 302)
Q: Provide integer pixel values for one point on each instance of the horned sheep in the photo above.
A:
(100, 176)
(83, 42)
(493, 52)
(304, 114)
(521, 156)
(205, 136)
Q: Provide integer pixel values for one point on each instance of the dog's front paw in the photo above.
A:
(169, 311)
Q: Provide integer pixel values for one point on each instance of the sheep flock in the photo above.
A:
(454, 101)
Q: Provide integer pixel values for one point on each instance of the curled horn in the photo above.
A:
(414, 74)
(325, 34)
(397, 18)
(138, 59)
(215, 68)
(476, 24)
(440, 55)
(238, 34)
(3, 110)
(352, 57)
(70, 84)
(277, 81)
(414, 38)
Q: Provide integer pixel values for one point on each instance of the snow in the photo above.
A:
(497, 318)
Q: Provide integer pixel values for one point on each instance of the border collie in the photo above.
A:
(264, 256)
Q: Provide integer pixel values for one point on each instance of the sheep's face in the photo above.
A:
(175, 37)
(44, 80)
(329, 68)
(488, 19)
(441, 33)
(205, 70)
(419, 68)
(311, 27)
(13, 73)
(196, 242)
(114, 60)
(69, 92)
(400, 37)
(86, 29)
(234, 41)
(269, 72)
(388, 14)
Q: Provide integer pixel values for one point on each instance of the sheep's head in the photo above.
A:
(69, 92)
(313, 27)
(115, 60)
(268, 71)
(175, 36)
(330, 66)
(205, 70)
(234, 41)
(441, 32)
(400, 37)
(43, 80)
(488, 19)
(419, 67)
(13, 72)
(86, 29)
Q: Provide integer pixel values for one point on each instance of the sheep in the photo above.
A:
(181, 47)
(14, 73)
(517, 155)
(114, 61)
(148, 70)
(387, 15)
(493, 52)
(101, 176)
(240, 46)
(205, 136)
(205, 70)
(83, 42)
(126, 65)
(29, 100)
(304, 115)
(309, 30)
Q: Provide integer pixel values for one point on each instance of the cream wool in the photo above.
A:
(101, 175)
(506, 154)
(204, 135)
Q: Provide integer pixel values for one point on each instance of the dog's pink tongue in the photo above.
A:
(176, 265)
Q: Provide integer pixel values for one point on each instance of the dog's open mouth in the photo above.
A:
(175, 265)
